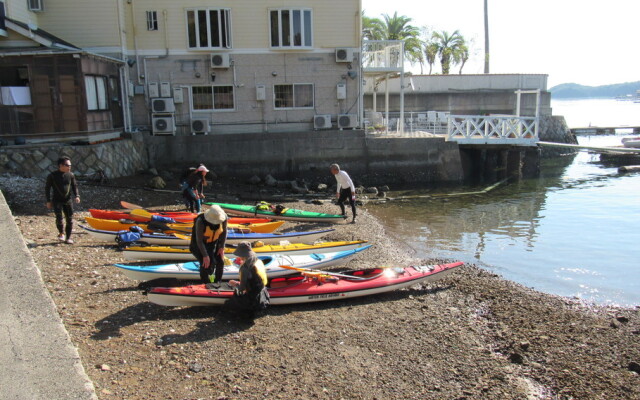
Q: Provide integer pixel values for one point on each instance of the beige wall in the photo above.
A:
(17, 9)
(87, 23)
(335, 24)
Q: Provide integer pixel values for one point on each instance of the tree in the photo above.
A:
(430, 52)
(461, 56)
(449, 46)
(395, 28)
(486, 38)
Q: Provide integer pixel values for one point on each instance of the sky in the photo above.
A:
(587, 42)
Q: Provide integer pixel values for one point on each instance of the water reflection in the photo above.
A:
(570, 232)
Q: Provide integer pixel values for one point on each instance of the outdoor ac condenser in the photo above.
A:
(220, 60)
(322, 121)
(344, 54)
(200, 126)
(347, 121)
(163, 125)
(162, 105)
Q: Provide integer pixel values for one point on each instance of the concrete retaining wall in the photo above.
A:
(309, 154)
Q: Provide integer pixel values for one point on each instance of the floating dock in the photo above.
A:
(603, 130)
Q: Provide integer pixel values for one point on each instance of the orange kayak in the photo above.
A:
(118, 225)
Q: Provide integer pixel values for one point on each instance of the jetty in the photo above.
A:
(599, 149)
(603, 130)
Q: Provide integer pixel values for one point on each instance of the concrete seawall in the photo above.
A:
(309, 154)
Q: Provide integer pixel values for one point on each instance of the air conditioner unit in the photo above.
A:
(164, 125)
(220, 60)
(344, 54)
(200, 126)
(162, 105)
(347, 121)
(322, 121)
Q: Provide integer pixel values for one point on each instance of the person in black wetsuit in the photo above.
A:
(61, 190)
(208, 238)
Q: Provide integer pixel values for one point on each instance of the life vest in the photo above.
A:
(259, 275)
(211, 233)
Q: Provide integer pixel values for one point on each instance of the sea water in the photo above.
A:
(574, 231)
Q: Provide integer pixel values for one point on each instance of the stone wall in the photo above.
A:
(555, 129)
(116, 158)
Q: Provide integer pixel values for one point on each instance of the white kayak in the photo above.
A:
(182, 253)
(191, 270)
(170, 239)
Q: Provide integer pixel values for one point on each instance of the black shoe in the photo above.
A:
(353, 221)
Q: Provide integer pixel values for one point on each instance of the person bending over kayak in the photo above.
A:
(250, 293)
(345, 190)
(208, 238)
(193, 191)
(62, 183)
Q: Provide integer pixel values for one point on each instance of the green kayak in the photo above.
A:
(272, 212)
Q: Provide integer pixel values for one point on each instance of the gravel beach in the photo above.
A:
(471, 335)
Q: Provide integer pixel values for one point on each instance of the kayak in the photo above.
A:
(176, 239)
(289, 214)
(175, 253)
(309, 287)
(119, 225)
(178, 216)
(272, 263)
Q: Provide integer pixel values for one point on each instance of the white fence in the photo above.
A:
(493, 129)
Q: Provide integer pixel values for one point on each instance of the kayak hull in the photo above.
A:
(289, 215)
(167, 253)
(190, 270)
(178, 216)
(307, 290)
(232, 238)
(117, 225)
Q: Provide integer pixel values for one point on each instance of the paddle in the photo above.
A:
(129, 206)
(314, 272)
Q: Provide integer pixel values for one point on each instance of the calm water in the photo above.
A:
(575, 231)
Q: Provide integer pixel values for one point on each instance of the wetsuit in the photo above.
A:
(61, 189)
(206, 240)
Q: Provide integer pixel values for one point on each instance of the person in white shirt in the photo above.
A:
(345, 190)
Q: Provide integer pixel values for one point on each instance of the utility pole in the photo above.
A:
(486, 37)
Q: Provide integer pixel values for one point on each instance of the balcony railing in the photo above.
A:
(493, 129)
(382, 56)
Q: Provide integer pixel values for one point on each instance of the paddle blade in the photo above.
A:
(129, 206)
(141, 214)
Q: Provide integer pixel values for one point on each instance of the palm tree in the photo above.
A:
(461, 56)
(395, 28)
(448, 46)
(430, 52)
(486, 38)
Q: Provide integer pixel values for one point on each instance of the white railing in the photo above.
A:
(493, 129)
(382, 55)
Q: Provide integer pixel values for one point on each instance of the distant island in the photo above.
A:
(576, 91)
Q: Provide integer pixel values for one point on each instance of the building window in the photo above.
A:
(208, 98)
(96, 90)
(152, 20)
(209, 28)
(35, 5)
(290, 28)
(297, 95)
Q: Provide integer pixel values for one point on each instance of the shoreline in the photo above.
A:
(470, 335)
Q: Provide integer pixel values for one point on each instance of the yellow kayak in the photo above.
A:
(119, 225)
(183, 254)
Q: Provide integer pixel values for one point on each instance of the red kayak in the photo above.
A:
(178, 216)
(311, 286)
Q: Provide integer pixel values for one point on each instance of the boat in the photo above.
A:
(177, 216)
(182, 253)
(119, 225)
(272, 263)
(312, 286)
(631, 142)
(176, 239)
(289, 214)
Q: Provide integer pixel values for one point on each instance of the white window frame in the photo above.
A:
(213, 100)
(96, 92)
(224, 35)
(306, 41)
(35, 5)
(152, 20)
(293, 85)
